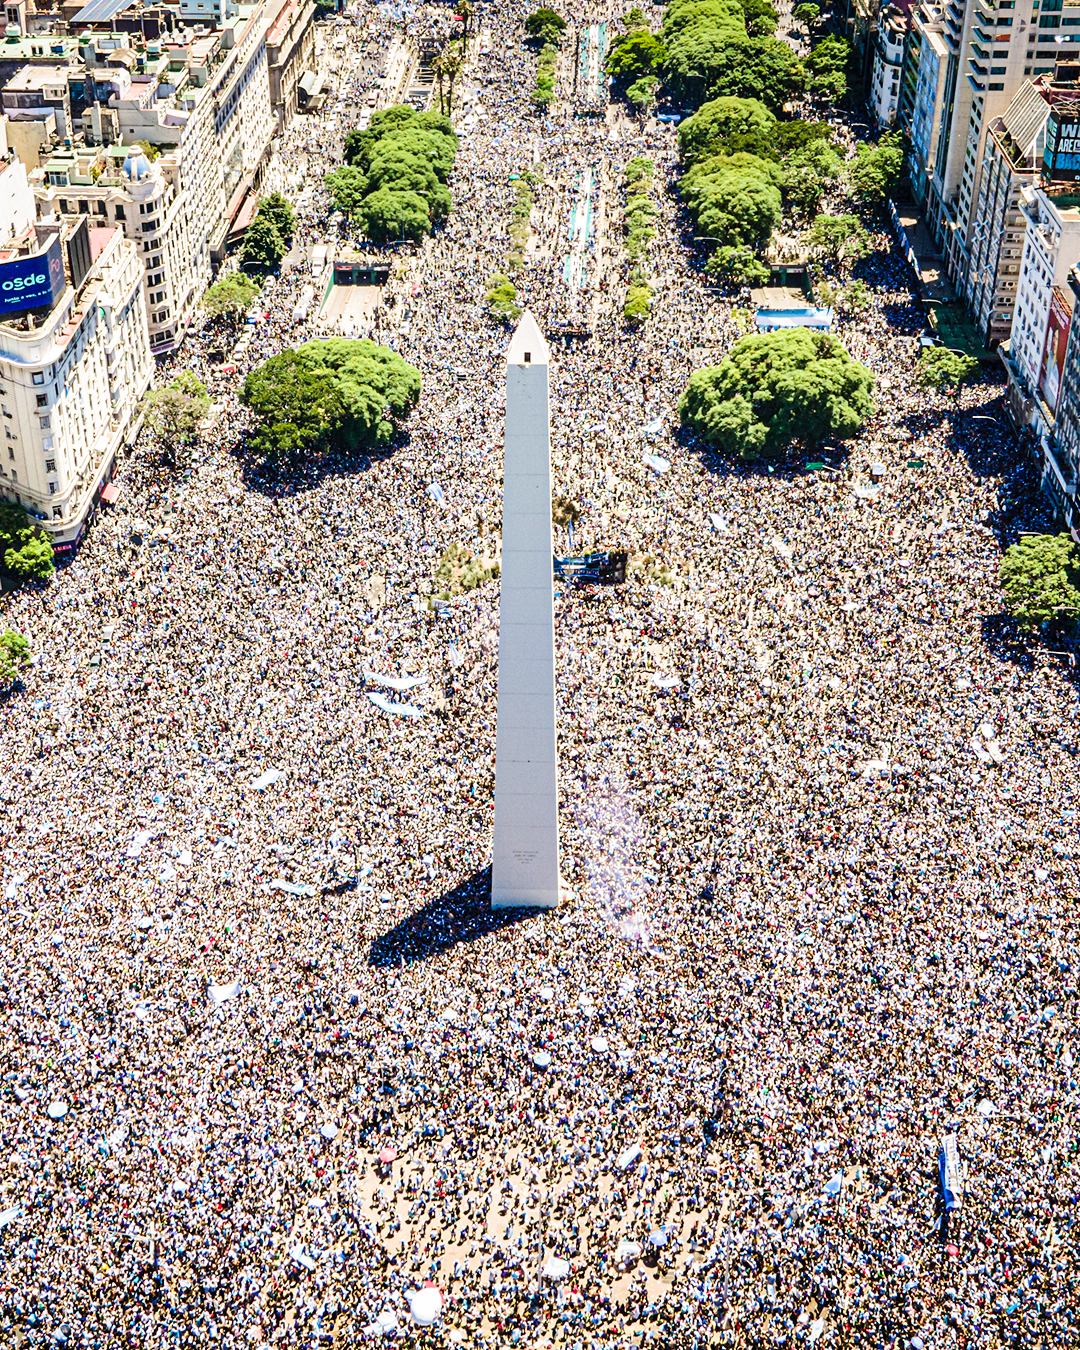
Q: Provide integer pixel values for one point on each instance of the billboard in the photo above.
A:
(1061, 154)
(32, 281)
(1057, 339)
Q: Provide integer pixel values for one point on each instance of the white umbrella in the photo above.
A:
(627, 1251)
(599, 1044)
(425, 1305)
(658, 1237)
(541, 1059)
(57, 1110)
(555, 1268)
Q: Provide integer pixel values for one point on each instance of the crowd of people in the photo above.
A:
(273, 1072)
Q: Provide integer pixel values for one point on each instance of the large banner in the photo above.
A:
(32, 282)
(1061, 155)
(1057, 338)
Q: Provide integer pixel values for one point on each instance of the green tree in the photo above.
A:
(807, 174)
(733, 199)
(774, 390)
(1040, 577)
(502, 302)
(873, 172)
(827, 66)
(698, 36)
(297, 409)
(545, 25)
(348, 186)
(635, 55)
(544, 89)
(279, 213)
(724, 126)
(943, 369)
(839, 239)
(26, 551)
(761, 68)
(263, 247)
(806, 14)
(760, 17)
(175, 413)
(638, 303)
(14, 656)
(230, 297)
(388, 215)
(327, 394)
(737, 265)
(641, 95)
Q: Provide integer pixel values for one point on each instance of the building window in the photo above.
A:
(52, 489)
(42, 400)
(39, 377)
(58, 513)
(50, 466)
(44, 423)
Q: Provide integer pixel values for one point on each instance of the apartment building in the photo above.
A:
(74, 364)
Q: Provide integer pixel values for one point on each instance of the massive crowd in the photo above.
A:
(269, 1066)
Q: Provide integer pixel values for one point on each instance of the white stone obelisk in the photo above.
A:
(525, 856)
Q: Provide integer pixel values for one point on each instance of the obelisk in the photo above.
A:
(525, 856)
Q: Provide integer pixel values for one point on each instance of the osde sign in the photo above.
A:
(33, 282)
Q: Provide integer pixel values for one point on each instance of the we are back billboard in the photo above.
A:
(32, 282)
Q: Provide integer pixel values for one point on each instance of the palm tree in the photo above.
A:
(452, 64)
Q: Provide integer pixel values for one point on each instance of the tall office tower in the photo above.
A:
(525, 856)
(974, 55)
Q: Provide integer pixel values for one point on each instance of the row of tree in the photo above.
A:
(639, 215)
(393, 181)
(545, 27)
(705, 49)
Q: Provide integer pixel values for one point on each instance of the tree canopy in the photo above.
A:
(26, 551)
(808, 171)
(738, 265)
(267, 238)
(943, 369)
(873, 172)
(175, 412)
(14, 656)
(635, 55)
(545, 25)
(775, 390)
(393, 183)
(839, 239)
(724, 126)
(1040, 576)
(328, 394)
(827, 66)
(733, 199)
(263, 247)
(230, 296)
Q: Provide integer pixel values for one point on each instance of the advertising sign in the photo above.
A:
(1057, 338)
(1061, 156)
(33, 281)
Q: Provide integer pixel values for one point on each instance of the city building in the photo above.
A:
(1043, 314)
(890, 44)
(1012, 160)
(983, 53)
(74, 364)
(173, 135)
(1061, 448)
(290, 53)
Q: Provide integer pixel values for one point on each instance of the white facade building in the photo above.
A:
(1051, 252)
(890, 40)
(71, 379)
(201, 100)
